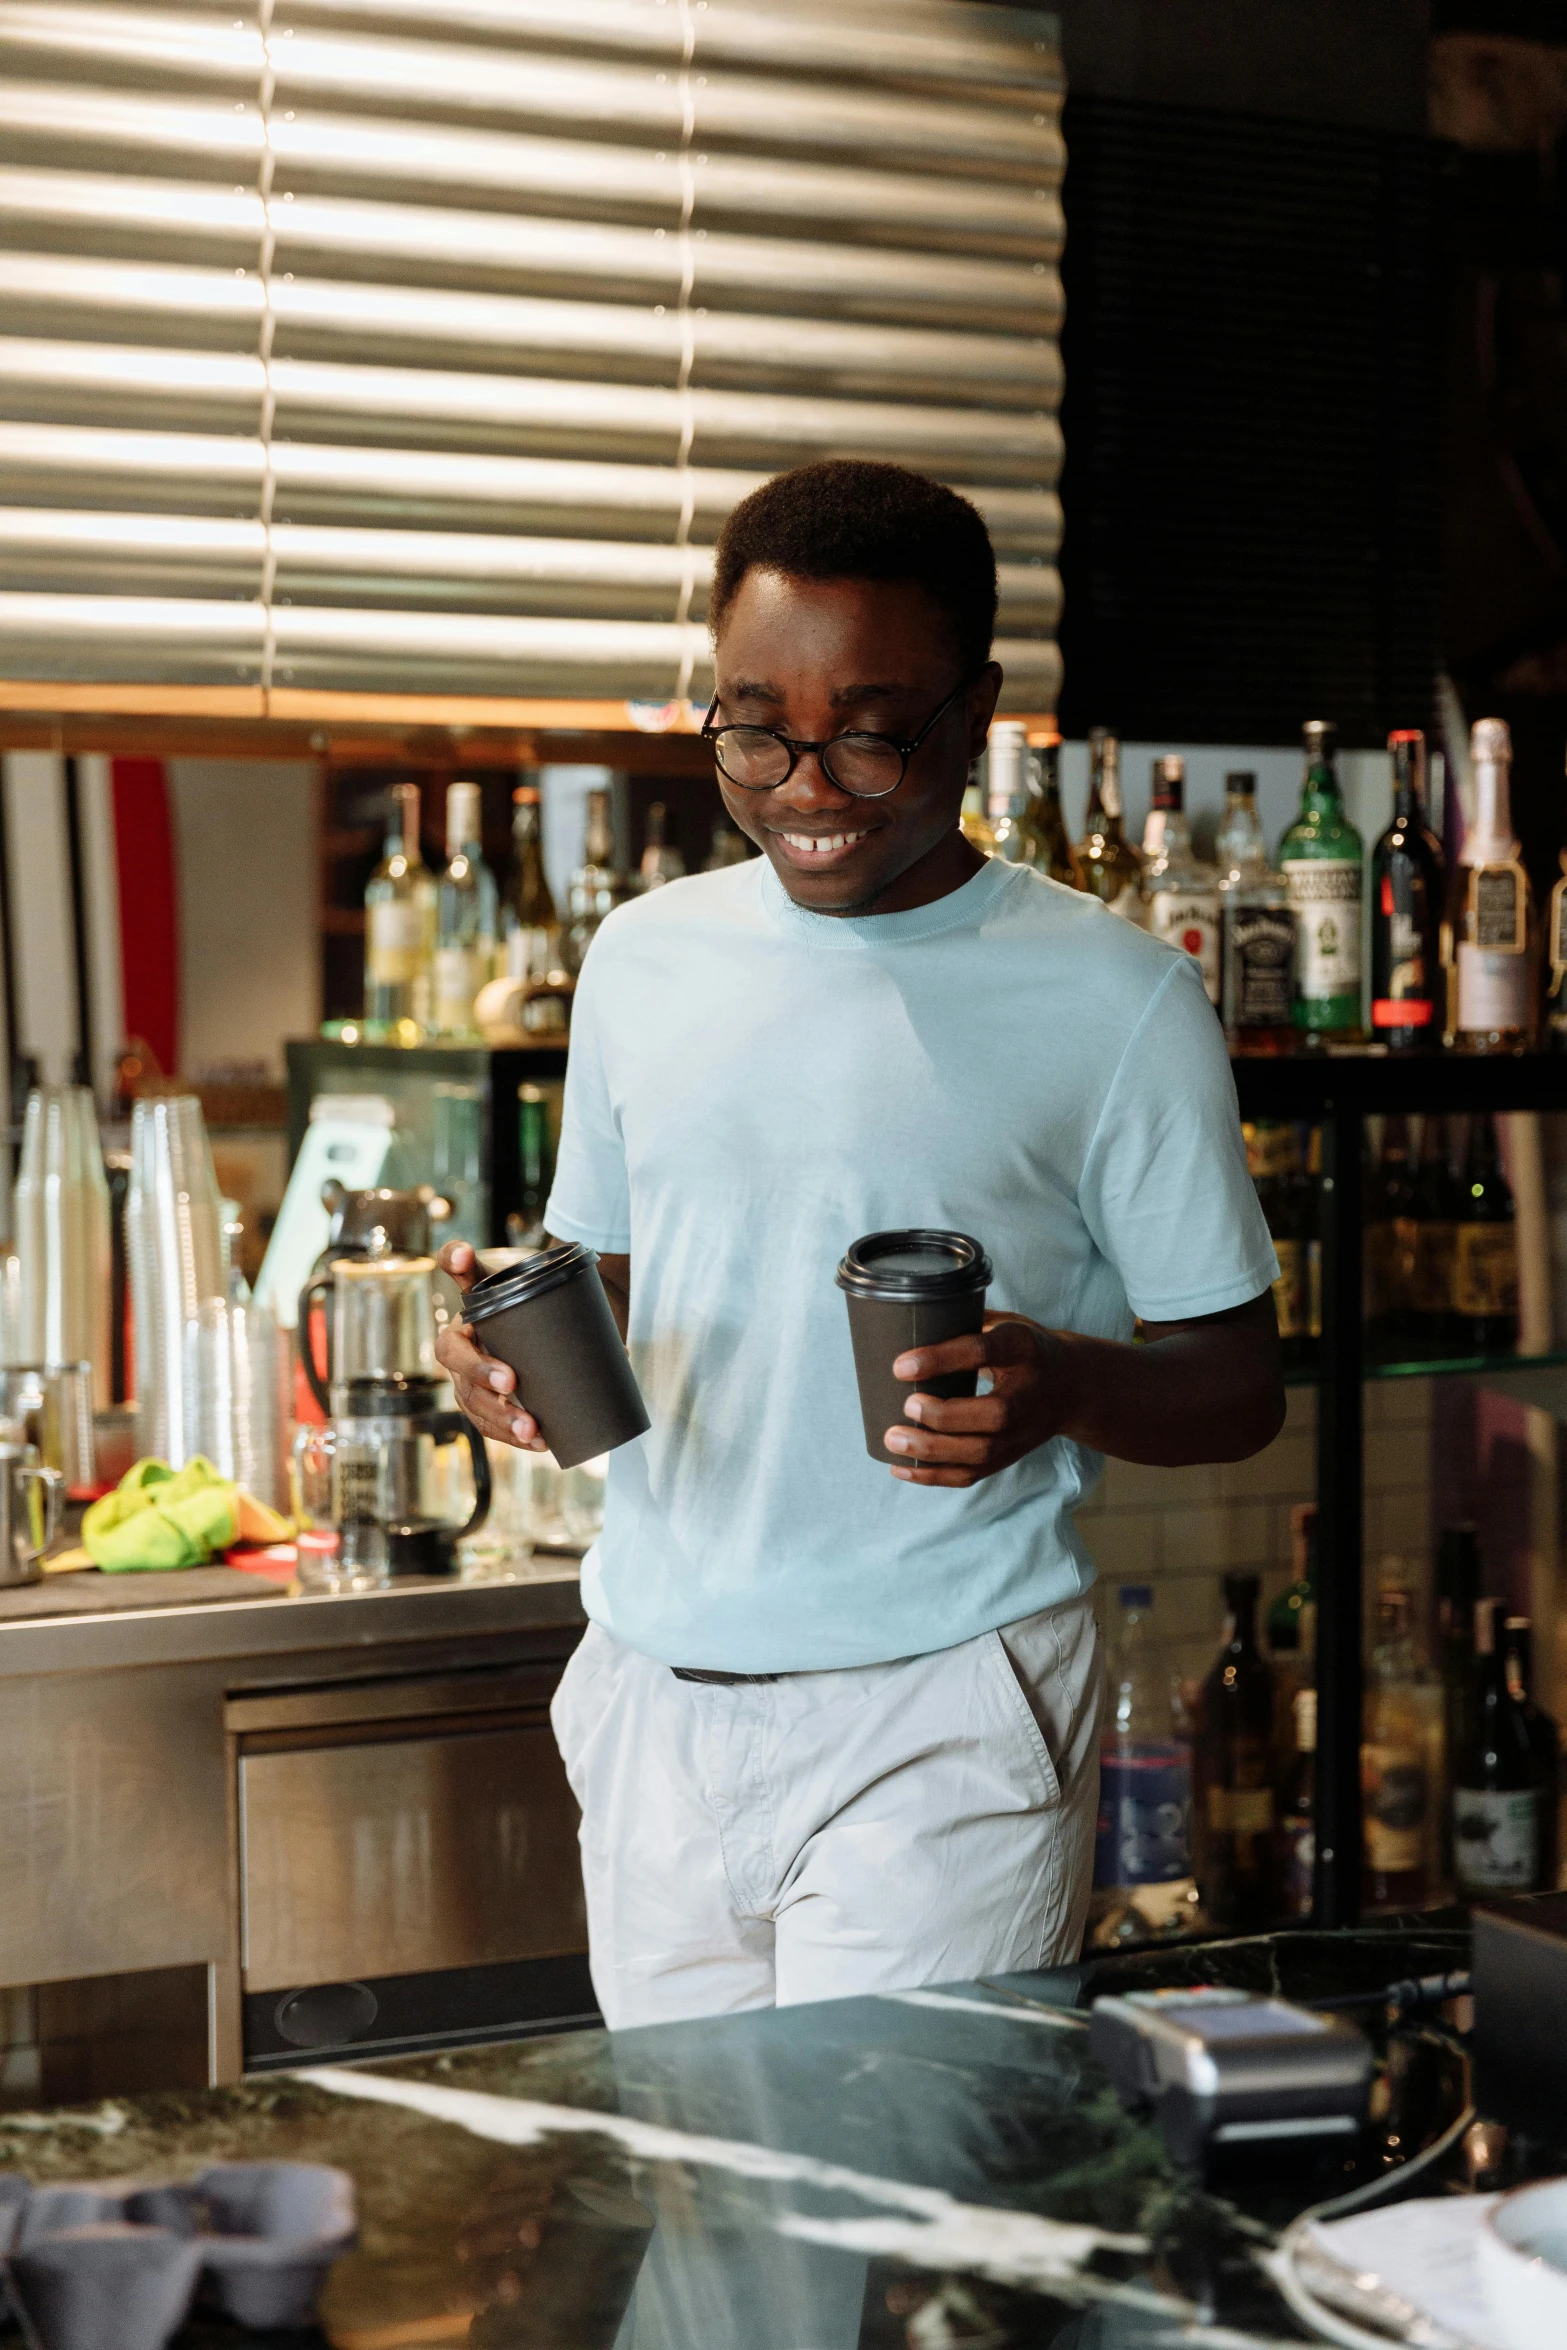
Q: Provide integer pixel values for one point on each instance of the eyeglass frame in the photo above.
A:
(797, 747)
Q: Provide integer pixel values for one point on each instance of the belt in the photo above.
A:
(721, 1680)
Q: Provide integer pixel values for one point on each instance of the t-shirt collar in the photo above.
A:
(967, 903)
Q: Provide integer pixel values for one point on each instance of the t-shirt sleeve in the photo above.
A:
(590, 1199)
(1165, 1189)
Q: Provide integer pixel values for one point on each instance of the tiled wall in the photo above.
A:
(1180, 1530)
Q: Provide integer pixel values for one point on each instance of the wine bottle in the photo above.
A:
(1298, 1813)
(1395, 1757)
(1233, 1757)
(1182, 892)
(1408, 889)
(536, 1157)
(1496, 1779)
(1143, 1884)
(1006, 786)
(1041, 829)
(1112, 868)
(1490, 918)
(465, 916)
(1485, 1262)
(530, 926)
(1322, 859)
(1546, 1740)
(400, 930)
(1256, 930)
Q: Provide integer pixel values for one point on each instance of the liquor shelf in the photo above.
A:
(1366, 1083)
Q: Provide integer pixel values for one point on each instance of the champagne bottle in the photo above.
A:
(661, 860)
(1408, 887)
(465, 916)
(1041, 829)
(1112, 869)
(1485, 1262)
(1395, 1764)
(1323, 862)
(1256, 930)
(1497, 1794)
(1143, 1883)
(530, 926)
(1546, 1740)
(1298, 1813)
(1237, 1849)
(400, 930)
(1490, 918)
(1182, 892)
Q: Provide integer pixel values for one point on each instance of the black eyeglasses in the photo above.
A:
(868, 766)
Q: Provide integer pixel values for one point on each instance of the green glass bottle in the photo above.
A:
(1323, 860)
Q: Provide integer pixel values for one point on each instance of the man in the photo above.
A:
(834, 1729)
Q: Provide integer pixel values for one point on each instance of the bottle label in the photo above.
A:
(1261, 957)
(1429, 1252)
(1496, 1839)
(459, 975)
(1240, 1811)
(1189, 919)
(1145, 1815)
(1496, 908)
(1324, 896)
(1493, 988)
(1485, 1270)
(1395, 1792)
(1290, 1290)
(394, 942)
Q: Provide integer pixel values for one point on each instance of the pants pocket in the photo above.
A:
(1018, 1707)
(582, 1695)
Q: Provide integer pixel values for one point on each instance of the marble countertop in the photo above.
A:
(944, 2170)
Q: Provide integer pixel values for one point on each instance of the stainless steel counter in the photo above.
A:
(124, 1741)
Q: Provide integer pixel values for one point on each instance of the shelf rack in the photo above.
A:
(1338, 1091)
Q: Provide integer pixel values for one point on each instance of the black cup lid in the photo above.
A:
(514, 1285)
(916, 1263)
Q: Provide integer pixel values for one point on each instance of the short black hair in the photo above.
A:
(849, 518)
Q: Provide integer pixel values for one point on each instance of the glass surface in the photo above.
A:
(383, 1319)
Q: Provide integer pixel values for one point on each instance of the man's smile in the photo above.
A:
(818, 849)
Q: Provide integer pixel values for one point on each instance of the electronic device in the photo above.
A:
(1519, 1972)
(1226, 2068)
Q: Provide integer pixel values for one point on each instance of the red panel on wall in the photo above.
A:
(149, 905)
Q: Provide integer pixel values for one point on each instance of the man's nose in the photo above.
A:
(810, 787)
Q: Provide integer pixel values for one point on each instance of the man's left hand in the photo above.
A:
(964, 1438)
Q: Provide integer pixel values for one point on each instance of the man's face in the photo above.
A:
(815, 658)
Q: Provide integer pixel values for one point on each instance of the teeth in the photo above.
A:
(817, 844)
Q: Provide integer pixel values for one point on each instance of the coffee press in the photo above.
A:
(381, 1395)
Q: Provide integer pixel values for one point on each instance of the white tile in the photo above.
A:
(1125, 1545)
(1218, 1536)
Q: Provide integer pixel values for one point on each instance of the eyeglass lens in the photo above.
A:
(859, 763)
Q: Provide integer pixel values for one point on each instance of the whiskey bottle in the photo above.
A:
(400, 930)
(1408, 888)
(1323, 861)
(1182, 893)
(1237, 1850)
(465, 916)
(1112, 869)
(1485, 1260)
(1041, 828)
(1497, 1792)
(1395, 1765)
(1256, 930)
(1546, 1740)
(1490, 912)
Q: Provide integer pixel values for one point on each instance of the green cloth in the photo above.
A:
(158, 1517)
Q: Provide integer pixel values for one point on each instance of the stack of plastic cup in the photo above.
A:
(174, 1245)
(61, 1229)
(234, 1376)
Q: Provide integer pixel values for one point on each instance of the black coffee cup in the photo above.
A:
(904, 1290)
(550, 1320)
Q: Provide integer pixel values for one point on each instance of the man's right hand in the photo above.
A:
(486, 1389)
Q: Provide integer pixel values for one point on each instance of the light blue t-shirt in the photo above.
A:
(753, 1087)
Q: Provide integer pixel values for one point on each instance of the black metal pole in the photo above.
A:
(1340, 1439)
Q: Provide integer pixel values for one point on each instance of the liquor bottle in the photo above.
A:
(1182, 892)
(1143, 1883)
(400, 930)
(1545, 1738)
(661, 860)
(973, 822)
(1006, 790)
(1041, 829)
(530, 926)
(1112, 869)
(1273, 1158)
(1395, 1764)
(597, 886)
(1256, 930)
(1298, 1813)
(1490, 912)
(1556, 950)
(1323, 863)
(1408, 890)
(1497, 1790)
(728, 848)
(536, 1157)
(465, 911)
(1153, 822)
(1429, 1244)
(1389, 1195)
(1233, 1758)
(1485, 1263)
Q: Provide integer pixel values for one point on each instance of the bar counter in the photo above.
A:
(942, 2168)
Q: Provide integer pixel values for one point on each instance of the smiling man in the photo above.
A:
(833, 1727)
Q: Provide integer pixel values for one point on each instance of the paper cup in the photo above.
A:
(550, 1320)
(909, 1289)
